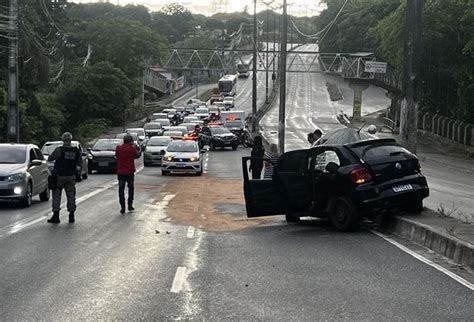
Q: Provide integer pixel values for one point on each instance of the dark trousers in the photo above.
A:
(256, 174)
(129, 180)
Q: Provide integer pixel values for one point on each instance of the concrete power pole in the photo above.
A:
(254, 69)
(13, 131)
(411, 68)
(282, 112)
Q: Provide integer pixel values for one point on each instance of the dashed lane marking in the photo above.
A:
(440, 268)
(191, 231)
(178, 280)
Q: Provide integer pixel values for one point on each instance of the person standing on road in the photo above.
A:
(67, 160)
(317, 134)
(125, 155)
(256, 165)
(272, 157)
(311, 139)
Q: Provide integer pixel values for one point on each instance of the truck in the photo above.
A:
(233, 120)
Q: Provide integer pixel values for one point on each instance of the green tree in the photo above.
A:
(174, 20)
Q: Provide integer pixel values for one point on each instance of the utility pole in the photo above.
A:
(274, 47)
(282, 112)
(411, 69)
(254, 69)
(13, 124)
(266, 63)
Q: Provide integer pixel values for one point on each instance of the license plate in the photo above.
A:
(403, 187)
(180, 164)
(103, 164)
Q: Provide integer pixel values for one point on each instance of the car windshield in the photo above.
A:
(183, 146)
(202, 110)
(159, 141)
(228, 99)
(139, 132)
(106, 145)
(152, 126)
(376, 151)
(48, 148)
(12, 154)
(163, 122)
(219, 130)
(173, 133)
(122, 135)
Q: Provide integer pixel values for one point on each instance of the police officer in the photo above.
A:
(67, 159)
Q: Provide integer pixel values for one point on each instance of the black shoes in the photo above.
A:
(55, 218)
(122, 210)
(71, 217)
(130, 208)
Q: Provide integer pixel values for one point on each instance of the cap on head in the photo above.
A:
(66, 137)
(127, 139)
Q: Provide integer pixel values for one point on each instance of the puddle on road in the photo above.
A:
(209, 203)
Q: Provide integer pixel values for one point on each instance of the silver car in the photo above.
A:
(155, 149)
(23, 173)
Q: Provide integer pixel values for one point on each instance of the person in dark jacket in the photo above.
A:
(256, 165)
(67, 159)
(125, 155)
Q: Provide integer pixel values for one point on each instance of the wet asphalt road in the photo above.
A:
(113, 266)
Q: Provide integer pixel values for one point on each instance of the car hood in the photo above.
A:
(8, 169)
(184, 155)
(156, 148)
(224, 135)
(103, 153)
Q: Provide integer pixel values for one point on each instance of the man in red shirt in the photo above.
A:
(125, 155)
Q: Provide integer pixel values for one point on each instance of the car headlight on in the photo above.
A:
(16, 177)
(168, 157)
(194, 159)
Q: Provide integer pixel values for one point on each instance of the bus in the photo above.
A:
(228, 85)
(243, 70)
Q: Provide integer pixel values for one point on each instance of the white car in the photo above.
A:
(182, 156)
(228, 102)
(155, 149)
(189, 119)
(202, 113)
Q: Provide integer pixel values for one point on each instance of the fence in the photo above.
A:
(448, 128)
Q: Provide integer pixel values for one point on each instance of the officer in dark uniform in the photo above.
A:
(67, 159)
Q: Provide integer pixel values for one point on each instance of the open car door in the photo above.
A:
(262, 196)
(289, 191)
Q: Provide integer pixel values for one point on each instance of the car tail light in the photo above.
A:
(360, 175)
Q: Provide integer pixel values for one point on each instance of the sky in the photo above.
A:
(295, 7)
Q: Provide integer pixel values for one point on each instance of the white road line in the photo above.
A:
(191, 231)
(25, 223)
(178, 280)
(440, 268)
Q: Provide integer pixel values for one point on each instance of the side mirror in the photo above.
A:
(84, 154)
(89, 149)
(332, 167)
(202, 151)
(36, 162)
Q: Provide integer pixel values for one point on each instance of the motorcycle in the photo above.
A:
(245, 138)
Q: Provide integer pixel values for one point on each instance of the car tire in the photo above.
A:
(345, 216)
(44, 196)
(89, 170)
(212, 146)
(415, 206)
(164, 173)
(199, 173)
(85, 175)
(292, 218)
(234, 147)
(28, 199)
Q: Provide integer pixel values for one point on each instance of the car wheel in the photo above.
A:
(212, 146)
(44, 196)
(28, 199)
(234, 147)
(164, 173)
(199, 173)
(85, 175)
(345, 216)
(415, 206)
(89, 170)
(292, 218)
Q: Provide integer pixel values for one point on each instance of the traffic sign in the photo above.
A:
(375, 67)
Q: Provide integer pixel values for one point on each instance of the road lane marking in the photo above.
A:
(190, 233)
(440, 268)
(178, 280)
(27, 222)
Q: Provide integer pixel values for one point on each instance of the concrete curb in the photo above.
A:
(457, 250)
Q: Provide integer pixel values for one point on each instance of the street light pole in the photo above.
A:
(254, 69)
(13, 124)
(266, 64)
(282, 112)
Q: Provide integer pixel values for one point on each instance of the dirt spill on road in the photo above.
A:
(209, 203)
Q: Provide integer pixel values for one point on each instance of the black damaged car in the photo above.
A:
(341, 182)
(218, 137)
